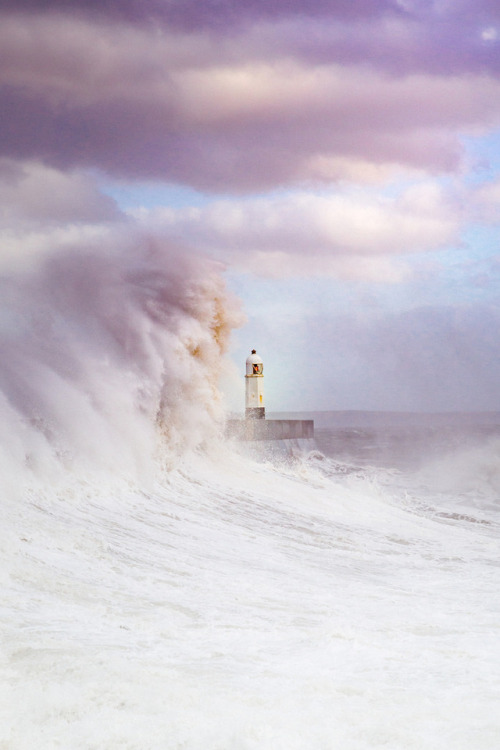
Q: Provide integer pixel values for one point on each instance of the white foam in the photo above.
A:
(241, 604)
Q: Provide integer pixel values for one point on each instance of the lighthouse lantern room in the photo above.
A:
(254, 387)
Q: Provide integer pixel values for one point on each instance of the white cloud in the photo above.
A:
(489, 34)
(349, 234)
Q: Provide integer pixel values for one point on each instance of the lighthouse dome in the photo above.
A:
(254, 364)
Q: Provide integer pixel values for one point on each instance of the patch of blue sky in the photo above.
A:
(467, 274)
(149, 195)
(483, 155)
(156, 194)
(295, 299)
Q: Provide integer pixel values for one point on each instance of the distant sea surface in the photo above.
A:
(404, 440)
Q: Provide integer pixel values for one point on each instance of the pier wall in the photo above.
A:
(270, 429)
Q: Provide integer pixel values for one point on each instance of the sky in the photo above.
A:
(340, 159)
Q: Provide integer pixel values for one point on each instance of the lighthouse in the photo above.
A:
(255, 426)
(254, 387)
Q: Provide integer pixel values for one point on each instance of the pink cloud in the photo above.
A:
(351, 234)
(243, 111)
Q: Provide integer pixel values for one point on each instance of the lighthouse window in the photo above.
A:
(257, 369)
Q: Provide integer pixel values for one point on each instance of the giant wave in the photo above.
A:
(110, 356)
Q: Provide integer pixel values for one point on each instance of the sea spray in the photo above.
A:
(110, 356)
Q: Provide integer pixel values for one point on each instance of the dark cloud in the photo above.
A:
(267, 100)
(128, 143)
(191, 14)
(242, 129)
(397, 35)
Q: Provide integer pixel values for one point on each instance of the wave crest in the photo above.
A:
(111, 355)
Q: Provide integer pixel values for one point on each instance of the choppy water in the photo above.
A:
(165, 590)
(307, 602)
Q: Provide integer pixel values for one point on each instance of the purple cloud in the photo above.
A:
(262, 102)
(212, 13)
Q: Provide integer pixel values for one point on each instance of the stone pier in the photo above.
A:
(270, 429)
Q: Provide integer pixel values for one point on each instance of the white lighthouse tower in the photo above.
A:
(254, 387)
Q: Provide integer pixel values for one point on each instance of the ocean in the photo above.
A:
(345, 595)
(166, 589)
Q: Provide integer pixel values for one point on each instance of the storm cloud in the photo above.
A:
(261, 100)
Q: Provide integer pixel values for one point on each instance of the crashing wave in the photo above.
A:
(111, 356)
